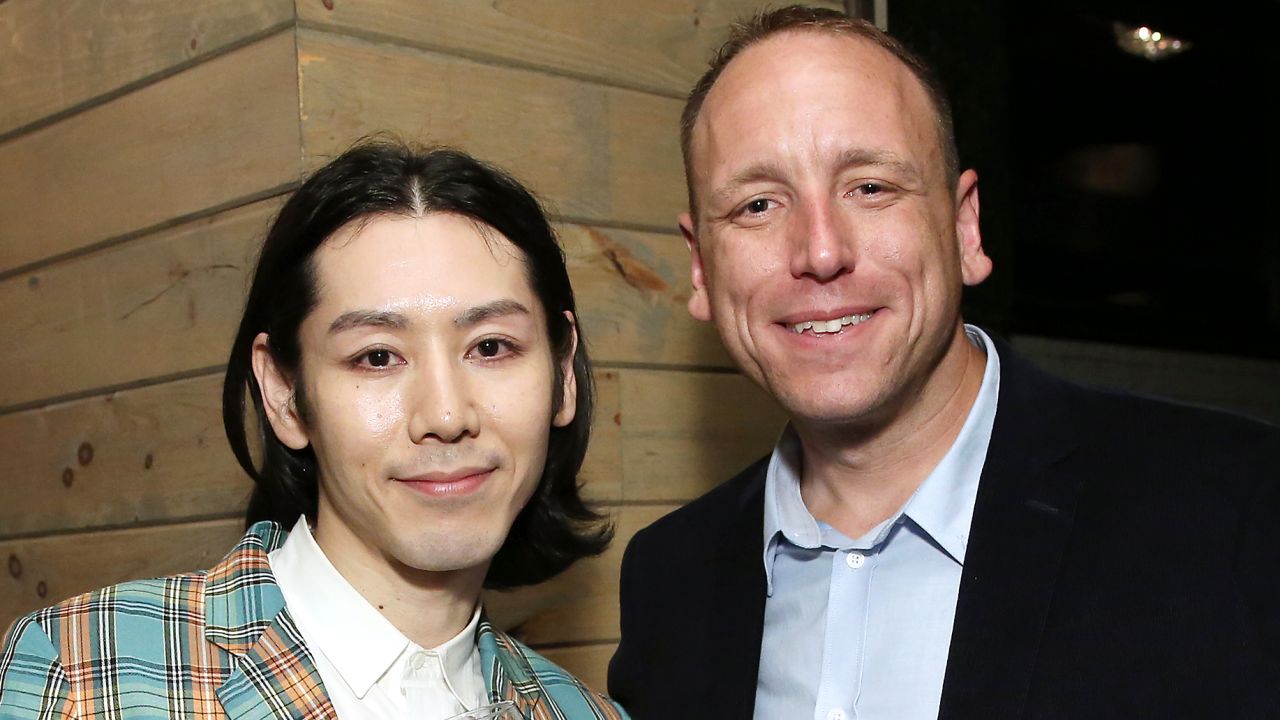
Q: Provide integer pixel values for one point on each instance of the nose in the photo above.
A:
(441, 404)
(821, 247)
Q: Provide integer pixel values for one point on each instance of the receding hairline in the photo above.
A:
(759, 29)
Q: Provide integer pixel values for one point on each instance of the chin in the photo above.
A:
(818, 404)
(447, 552)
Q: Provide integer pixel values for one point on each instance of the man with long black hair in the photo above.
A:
(421, 397)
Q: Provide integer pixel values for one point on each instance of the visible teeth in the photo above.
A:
(823, 327)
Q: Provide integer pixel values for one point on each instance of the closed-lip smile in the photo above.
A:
(460, 481)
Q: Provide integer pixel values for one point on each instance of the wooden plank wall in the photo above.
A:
(143, 149)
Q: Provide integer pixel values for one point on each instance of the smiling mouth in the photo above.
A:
(826, 327)
(462, 482)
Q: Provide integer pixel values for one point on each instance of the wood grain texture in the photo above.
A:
(633, 294)
(57, 55)
(142, 456)
(42, 571)
(684, 433)
(593, 152)
(657, 45)
(660, 436)
(159, 305)
(169, 303)
(222, 130)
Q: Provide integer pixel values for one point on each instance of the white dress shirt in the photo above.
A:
(369, 669)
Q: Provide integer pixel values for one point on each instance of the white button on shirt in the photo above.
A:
(370, 670)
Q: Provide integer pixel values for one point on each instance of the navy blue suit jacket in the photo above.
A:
(1123, 562)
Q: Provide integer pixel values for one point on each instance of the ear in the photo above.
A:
(569, 399)
(278, 396)
(699, 303)
(975, 266)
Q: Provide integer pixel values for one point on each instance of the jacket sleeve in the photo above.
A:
(1258, 585)
(33, 684)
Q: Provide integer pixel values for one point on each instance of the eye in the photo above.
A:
(493, 348)
(869, 188)
(377, 358)
(757, 207)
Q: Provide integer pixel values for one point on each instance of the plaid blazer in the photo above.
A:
(217, 644)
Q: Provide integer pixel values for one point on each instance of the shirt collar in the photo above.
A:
(943, 504)
(357, 640)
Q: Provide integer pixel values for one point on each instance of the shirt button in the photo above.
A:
(854, 560)
(836, 713)
(417, 660)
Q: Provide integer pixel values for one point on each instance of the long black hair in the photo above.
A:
(379, 177)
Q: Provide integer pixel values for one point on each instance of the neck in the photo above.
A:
(428, 607)
(858, 475)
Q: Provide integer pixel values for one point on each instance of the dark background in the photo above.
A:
(1123, 200)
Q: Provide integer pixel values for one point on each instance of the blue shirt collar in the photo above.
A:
(942, 506)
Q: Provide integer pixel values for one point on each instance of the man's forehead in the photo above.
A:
(415, 265)
(786, 79)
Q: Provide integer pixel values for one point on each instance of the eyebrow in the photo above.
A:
(397, 321)
(880, 159)
(488, 311)
(368, 318)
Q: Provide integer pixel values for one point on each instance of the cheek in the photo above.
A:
(377, 413)
(518, 408)
(346, 410)
(741, 273)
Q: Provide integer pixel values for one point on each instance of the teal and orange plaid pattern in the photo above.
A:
(219, 644)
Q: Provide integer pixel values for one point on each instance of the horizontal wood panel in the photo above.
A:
(169, 303)
(148, 455)
(42, 571)
(55, 55)
(685, 433)
(163, 304)
(222, 130)
(158, 454)
(633, 293)
(589, 663)
(594, 152)
(661, 45)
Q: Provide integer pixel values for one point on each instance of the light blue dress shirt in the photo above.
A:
(860, 628)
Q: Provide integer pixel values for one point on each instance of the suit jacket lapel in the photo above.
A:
(276, 679)
(273, 674)
(735, 621)
(1020, 529)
